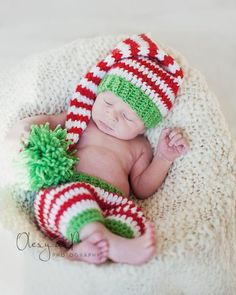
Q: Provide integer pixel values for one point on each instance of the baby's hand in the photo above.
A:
(24, 137)
(171, 144)
(18, 134)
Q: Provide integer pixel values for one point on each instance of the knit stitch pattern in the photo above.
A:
(61, 211)
(194, 209)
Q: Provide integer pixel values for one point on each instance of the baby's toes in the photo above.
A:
(103, 259)
(103, 248)
(151, 229)
(153, 250)
(103, 244)
(151, 241)
(103, 255)
(150, 237)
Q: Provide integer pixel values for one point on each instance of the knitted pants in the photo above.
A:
(61, 211)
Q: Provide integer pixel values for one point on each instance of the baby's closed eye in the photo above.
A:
(127, 117)
(108, 103)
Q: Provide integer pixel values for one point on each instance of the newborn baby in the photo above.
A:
(114, 157)
(116, 150)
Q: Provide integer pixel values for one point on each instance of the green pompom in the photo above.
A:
(46, 157)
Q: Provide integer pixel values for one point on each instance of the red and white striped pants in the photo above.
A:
(61, 211)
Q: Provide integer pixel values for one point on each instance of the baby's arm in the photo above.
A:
(53, 120)
(22, 128)
(148, 173)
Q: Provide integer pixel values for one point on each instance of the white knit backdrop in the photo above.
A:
(194, 210)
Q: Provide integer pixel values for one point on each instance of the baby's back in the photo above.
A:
(108, 157)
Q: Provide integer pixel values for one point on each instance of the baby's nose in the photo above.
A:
(114, 116)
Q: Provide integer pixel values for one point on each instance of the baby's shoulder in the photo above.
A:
(142, 144)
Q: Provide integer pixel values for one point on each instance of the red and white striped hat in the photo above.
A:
(139, 72)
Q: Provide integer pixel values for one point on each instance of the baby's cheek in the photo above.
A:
(124, 130)
(130, 133)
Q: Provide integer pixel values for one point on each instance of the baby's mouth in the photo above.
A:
(105, 125)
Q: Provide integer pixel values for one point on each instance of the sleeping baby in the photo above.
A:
(125, 94)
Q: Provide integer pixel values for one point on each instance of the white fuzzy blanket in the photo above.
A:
(194, 210)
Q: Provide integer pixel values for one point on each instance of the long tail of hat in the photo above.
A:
(80, 107)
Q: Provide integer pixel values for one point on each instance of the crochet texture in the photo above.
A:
(194, 210)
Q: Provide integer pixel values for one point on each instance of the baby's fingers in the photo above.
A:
(182, 145)
(164, 132)
(174, 132)
(25, 137)
(175, 138)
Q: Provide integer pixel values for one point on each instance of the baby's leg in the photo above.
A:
(72, 208)
(131, 238)
(60, 213)
(131, 251)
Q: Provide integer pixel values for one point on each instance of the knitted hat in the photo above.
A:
(139, 72)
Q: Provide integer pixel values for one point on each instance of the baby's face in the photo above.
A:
(119, 119)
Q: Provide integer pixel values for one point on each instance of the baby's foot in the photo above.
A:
(133, 251)
(93, 249)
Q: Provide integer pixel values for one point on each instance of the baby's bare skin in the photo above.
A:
(108, 157)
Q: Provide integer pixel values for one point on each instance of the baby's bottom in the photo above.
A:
(61, 212)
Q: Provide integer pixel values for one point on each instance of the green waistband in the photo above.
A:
(96, 181)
